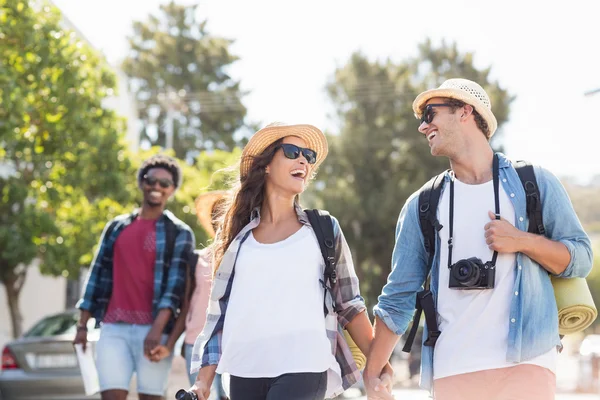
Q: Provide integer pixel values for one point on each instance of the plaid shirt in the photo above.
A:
(167, 291)
(348, 303)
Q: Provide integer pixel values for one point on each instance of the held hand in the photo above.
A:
(378, 388)
(151, 342)
(81, 338)
(502, 236)
(159, 352)
(387, 378)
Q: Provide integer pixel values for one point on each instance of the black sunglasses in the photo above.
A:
(428, 113)
(292, 152)
(163, 182)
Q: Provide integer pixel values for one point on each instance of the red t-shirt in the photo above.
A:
(134, 254)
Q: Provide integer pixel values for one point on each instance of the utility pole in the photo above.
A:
(174, 103)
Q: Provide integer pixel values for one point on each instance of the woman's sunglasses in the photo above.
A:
(163, 182)
(428, 113)
(292, 152)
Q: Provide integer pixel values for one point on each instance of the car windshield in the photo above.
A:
(56, 325)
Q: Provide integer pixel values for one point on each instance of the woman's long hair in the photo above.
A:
(246, 194)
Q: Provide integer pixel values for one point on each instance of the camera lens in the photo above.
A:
(466, 273)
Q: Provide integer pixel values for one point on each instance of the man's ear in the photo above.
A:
(467, 110)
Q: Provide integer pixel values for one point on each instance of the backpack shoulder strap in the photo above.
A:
(322, 225)
(532, 193)
(170, 235)
(429, 198)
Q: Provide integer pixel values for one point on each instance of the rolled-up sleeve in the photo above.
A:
(396, 304)
(563, 225)
(346, 292)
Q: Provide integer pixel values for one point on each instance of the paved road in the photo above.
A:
(408, 394)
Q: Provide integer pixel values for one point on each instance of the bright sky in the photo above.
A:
(548, 56)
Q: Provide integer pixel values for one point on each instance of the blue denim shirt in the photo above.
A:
(533, 321)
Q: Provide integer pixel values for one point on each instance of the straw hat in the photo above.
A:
(204, 209)
(464, 90)
(314, 138)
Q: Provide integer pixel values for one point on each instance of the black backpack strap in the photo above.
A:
(428, 204)
(429, 197)
(170, 235)
(532, 193)
(322, 225)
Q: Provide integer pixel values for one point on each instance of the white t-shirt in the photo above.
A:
(274, 322)
(475, 323)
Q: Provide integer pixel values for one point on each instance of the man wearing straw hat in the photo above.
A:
(498, 319)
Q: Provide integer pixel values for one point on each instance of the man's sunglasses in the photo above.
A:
(292, 152)
(428, 113)
(163, 182)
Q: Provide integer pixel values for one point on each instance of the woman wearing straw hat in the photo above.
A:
(266, 327)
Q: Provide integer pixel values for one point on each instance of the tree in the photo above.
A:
(378, 158)
(178, 72)
(62, 158)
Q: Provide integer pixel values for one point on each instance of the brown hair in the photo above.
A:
(481, 123)
(247, 194)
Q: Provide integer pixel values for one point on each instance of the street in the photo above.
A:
(409, 394)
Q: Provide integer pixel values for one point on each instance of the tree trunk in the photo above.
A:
(13, 284)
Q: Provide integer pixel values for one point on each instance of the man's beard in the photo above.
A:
(153, 204)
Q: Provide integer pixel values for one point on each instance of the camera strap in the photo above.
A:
(496, 178)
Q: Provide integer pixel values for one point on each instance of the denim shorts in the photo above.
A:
(120, 354)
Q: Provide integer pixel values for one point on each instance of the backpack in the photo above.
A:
(428, 203)
(322, 225)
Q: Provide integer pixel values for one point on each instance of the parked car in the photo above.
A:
(42, 364)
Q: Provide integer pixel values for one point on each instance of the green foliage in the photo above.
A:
(62, 159)
(378, 158)
(594, 278)
(59, 144)
(586, 204)
(174, 62)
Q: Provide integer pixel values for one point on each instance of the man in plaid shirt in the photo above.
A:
(135, 286)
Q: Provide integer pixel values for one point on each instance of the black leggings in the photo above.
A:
(299, 386)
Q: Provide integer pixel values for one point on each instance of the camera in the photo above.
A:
(472, 273)
(183, 394)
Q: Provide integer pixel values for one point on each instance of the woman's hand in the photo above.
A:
(160, 352)
(204, 381)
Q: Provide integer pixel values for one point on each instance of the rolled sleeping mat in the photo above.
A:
(576, 308)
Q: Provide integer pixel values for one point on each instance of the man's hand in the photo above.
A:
(160, 352)
(387, 378)
(379, 388)
(81, 338)
(151, 342)
(501, 236)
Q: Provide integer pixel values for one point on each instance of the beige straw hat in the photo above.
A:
(461, 89)
(314, 138)
(204, 209)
